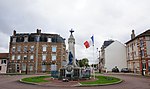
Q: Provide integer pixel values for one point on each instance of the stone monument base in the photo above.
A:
(71, 73)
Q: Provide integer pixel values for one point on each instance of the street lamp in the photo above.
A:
(99, 61)
(100, 66)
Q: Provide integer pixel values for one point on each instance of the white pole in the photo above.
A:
(94, 62)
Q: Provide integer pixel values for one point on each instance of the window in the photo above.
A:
(13, 57)
(19, 48)
(3, 61)
(43, 67)
(31, 57)
(25, 39)
(18, 57)
(23, 67)
(144, 65)
(25, 48)
(14, 39)
(44, 47)
(37, 38)
(53, 57)
(54, 48)
(31, 68)
(141, 43)
(49, 40)
(142, 51)
(53, 67)
(44, 57)
(25, 57)
(128, 48)
(13, 49)
(32, 48)
(149, 65)
(132, 46)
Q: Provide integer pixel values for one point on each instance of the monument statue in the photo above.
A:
(70, 58)
(71, 70)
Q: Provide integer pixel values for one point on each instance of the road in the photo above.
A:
(130, 82)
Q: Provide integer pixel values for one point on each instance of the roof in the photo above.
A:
(146, 33)
(107, 43)
(4, 55)
(33, 36)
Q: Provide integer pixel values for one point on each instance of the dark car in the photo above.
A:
(125, 70)
(115, 69)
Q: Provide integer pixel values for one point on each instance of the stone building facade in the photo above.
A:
(36, 52)
(138, 52)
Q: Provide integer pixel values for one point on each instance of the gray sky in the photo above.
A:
(106, 19)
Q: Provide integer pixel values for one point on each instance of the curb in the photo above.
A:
(78, 85)
(28, 82)
(92, 85)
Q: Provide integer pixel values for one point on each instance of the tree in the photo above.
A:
(84, 62)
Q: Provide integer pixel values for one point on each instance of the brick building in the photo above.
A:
(36, 52)
(138, 52)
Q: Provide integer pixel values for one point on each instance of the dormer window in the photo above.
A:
(49, 39)
(14, 39)
(37, 38)
(26, 39)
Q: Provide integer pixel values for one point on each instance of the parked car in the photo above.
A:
(115, 69)
(125, 70)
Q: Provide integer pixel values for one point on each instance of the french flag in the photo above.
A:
(86, 43)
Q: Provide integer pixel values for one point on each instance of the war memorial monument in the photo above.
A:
(71, 70)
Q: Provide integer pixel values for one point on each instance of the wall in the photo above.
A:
(3, 67)
(115, 55)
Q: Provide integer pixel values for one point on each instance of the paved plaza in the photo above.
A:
(130, 82)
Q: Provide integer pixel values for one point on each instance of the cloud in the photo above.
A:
(106, 19)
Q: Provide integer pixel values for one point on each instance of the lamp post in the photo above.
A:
(100, 66)
(99, 61)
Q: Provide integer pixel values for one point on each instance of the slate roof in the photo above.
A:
(146, 33)
(107, 43)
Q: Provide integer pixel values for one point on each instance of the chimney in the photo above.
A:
(132, 35)
(38, 31)
(14, 33)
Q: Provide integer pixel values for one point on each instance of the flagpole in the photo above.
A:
(94, 62)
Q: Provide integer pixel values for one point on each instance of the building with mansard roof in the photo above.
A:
(36, 52)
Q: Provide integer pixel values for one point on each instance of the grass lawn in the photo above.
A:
(37, 79)
(102, 80)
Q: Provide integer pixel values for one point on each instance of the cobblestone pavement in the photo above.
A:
(130, 82)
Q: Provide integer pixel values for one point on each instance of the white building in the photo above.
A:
(113, 53)
(3, 62)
